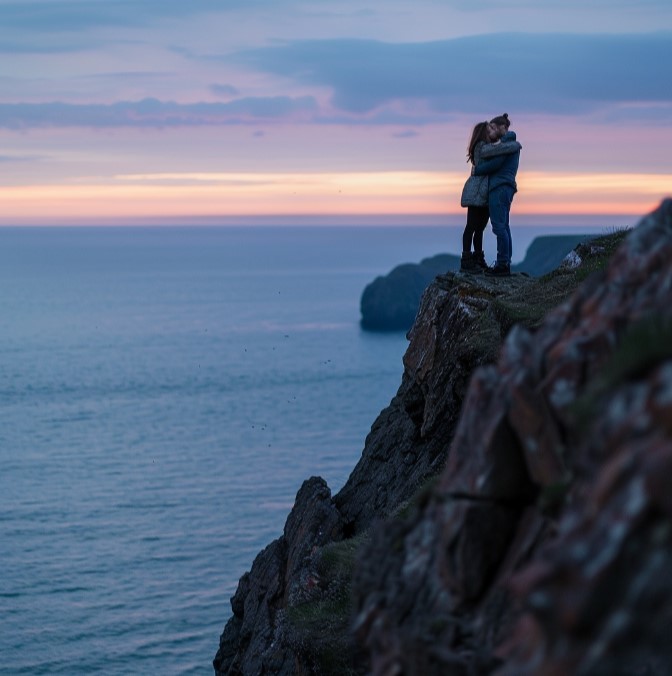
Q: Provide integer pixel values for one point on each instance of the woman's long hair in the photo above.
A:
(480, 133)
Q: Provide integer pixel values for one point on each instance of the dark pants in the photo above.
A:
(477, 219)
(499, 201)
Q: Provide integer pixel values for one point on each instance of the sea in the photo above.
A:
(164, 392)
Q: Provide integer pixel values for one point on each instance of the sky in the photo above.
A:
(209, 111)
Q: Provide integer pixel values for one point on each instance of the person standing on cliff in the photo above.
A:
(501, 172)
(475, 194)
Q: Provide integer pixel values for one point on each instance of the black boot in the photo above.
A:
(467, 263)
(479, 260)
(499, 270)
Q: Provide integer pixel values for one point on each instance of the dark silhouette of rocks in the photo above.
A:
(252, 642)
(390, 302)
(511, 511)
(546, 253)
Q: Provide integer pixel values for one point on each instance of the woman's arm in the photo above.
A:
(489, 166)
(495, 149)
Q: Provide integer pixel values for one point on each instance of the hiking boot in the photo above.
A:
(468, 264)
(479, 259)
(499, 270)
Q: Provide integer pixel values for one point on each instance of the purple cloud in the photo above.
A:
(551, 73)
(153, 113)
(224, 90)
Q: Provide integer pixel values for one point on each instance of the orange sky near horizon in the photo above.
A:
(164, 114)
(171, 195)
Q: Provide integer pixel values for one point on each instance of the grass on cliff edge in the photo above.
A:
(642, 346)
(320, 628)
(547, 292)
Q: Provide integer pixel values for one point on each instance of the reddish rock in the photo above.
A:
(571, 432)
(457, 330)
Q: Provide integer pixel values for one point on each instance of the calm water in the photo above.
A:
(163, 394)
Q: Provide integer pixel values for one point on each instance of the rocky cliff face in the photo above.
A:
(511, 512)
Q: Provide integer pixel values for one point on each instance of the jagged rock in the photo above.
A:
(258, 639)
(460, 326)
(542, 546)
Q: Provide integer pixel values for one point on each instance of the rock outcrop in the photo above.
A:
(256, 639)
(461, 323)
(390, 302)
(511, 511)
(546, 253)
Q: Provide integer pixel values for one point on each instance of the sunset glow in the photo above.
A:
(340, 112)
(229, 195)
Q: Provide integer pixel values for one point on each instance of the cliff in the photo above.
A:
(511, 511)
(390, 302)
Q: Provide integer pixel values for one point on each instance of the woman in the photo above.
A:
(475, 194)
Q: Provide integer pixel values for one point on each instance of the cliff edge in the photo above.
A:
(390, 302)
(511, 510)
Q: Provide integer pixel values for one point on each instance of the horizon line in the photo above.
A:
(540, 219)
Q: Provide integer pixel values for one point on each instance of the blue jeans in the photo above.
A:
(499, 201)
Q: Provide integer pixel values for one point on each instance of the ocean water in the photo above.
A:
(163, 394)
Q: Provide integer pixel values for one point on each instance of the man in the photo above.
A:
(502, 172)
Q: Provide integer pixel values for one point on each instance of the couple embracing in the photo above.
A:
(488, 193)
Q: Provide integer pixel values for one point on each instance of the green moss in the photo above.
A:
(641, 347)
(418, 500)
(596, 263)
(337, 559)
(438, 625)
(320, 631)
(552, 498)
(548, 292)
(528, 306)
(486, 337)
(510, 311)
(314, 616)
